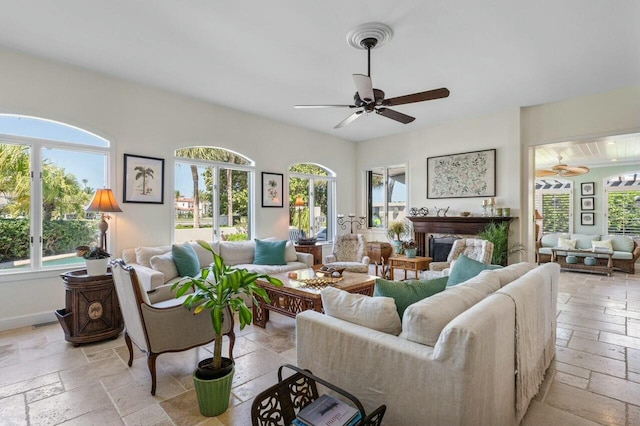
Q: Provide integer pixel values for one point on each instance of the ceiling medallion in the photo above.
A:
(375, 30)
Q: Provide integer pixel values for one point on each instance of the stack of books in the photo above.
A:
(328, 411)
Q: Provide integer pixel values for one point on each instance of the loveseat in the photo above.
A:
(626, 251)
(473, 354)
(156, 269)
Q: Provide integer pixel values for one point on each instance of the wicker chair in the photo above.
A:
(349, 252)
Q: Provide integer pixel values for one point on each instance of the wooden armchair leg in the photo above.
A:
(151, 362)
(127, 340)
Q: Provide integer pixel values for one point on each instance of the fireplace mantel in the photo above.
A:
(454, 225)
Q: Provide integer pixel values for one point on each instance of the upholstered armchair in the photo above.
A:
(164, 326)
(349, 252)
(474, 248)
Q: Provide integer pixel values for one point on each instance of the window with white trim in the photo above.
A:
(315, 185)
(386, 195)
(623, 204)
(48, 174)
(554, 201)
(213, 189)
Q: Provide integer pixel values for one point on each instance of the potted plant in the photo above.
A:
(410, 248)
(96, 259)
(217, 287)
(498, 234)
(396, 232)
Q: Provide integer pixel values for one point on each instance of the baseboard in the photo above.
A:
(26, 320)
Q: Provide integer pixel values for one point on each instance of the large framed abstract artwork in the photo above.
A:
(143, 179)
(470, 174)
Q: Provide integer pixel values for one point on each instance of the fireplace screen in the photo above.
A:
(439, 248)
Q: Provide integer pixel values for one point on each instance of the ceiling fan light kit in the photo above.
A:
(370, 36)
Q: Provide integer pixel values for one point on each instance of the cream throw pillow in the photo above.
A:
(144, 254)
(604, 244)
(378, 313)
(565, 242)
(164, 263)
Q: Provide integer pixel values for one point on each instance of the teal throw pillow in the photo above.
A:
(186, 260)
(269, 252)
(408, 292)
(466, 268)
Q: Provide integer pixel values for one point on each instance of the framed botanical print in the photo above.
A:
(588, 203)
(143, 179)
(470, 174)
(586, 219)
(587, 188)
(272, 189)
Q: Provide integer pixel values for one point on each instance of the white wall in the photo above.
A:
(498, 130)
(145, 121)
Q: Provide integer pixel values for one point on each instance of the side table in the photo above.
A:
(314, 249)
(415, 264)
(92, 312)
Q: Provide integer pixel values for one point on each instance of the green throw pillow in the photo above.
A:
(186, 260)
(269, 252)
(466, 268)
(408, 292)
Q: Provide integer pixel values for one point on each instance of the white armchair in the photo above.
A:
(164, 326)
(474, 248)
(349, 252)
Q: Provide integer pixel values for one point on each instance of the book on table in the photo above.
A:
(328, 411)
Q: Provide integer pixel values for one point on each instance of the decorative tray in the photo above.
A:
(319, 282)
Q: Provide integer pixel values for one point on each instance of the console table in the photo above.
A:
(415, 264)
(92, 312)
(603, 265)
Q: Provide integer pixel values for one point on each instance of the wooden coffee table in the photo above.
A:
(295, 296)
(415, 264)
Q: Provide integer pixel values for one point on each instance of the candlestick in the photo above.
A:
(484, 203)
(351, 221)
(492, 201)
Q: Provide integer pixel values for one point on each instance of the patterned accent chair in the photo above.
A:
(163, 326)
(474, 248)
(349, 252)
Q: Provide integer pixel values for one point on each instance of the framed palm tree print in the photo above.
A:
(143, 179)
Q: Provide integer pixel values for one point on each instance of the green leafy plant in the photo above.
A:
(410, 244)
(219, 286)
(498, 234)
(91, 253)
(399, 230)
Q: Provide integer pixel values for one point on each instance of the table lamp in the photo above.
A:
(104, 202)
(299, 204)
(536, 217)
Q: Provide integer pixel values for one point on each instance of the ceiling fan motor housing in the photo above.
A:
(368, 106)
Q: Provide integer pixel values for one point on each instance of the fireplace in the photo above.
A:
(439, 248)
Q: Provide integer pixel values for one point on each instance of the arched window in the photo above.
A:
(213, 189)
(315, 185)
(48, 174)
(623, 204)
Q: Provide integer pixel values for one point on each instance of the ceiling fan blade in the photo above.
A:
(576, 170)
(545, 173)
(417, 97)
(395, 115)
(349, 119)
(325, 106)
(364, 86)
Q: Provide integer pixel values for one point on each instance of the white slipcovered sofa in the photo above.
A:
(458, 359)
(156, 270)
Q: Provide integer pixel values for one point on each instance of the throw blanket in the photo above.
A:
(535, 334)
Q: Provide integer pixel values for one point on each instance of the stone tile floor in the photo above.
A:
(595, 378)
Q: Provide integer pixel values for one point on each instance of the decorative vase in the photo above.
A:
(590, 261)
(410, 252)
(213, 394)
(571, 260)
(397, 246)
(96, 267)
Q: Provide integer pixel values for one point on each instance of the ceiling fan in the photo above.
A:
(562, 170)
(367, 99)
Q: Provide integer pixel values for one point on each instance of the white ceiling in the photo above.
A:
(263, 57)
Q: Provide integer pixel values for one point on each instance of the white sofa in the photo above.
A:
(455, 361)
(156, 271)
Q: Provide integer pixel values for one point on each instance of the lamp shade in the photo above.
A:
(537, 215)
(299, 201)
(103, 201)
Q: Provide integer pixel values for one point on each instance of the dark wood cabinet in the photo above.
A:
(314, 249)
(377, 250)
(92, 312)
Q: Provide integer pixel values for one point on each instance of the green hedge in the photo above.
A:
(59, 237)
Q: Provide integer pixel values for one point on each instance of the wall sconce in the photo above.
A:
(104, 202)
(351, 221)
